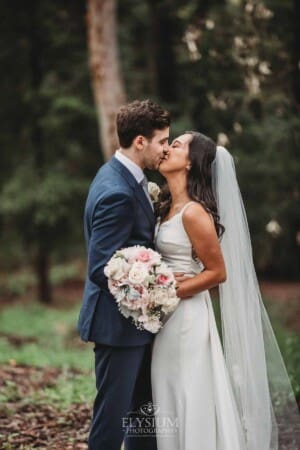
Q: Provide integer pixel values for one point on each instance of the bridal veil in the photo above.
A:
(262, 390)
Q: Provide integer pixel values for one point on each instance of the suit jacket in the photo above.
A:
(117, 215)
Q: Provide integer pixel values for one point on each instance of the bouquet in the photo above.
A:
(143, 286)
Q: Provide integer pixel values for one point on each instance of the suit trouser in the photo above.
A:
(123, 381)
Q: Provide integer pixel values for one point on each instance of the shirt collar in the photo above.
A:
(133, 168)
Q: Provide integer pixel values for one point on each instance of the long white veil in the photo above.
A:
(261, 386)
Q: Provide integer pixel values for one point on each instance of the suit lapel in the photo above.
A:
(138, 189)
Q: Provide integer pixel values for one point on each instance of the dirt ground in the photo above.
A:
(27, 425)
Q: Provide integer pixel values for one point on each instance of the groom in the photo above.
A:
(119, 214)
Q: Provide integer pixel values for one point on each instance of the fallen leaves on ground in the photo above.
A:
(38, 426)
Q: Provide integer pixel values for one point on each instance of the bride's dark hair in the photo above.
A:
(202, 152)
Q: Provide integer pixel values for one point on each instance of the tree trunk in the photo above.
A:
(107, 83)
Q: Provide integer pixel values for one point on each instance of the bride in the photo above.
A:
(207, 397)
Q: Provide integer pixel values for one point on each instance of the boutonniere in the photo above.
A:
(154, 191)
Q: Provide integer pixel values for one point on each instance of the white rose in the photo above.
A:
(138, 273)
(154, 191)
(162, 297)
(152, 325)
(130, 252)
(170, 304)
(163, 269)
(115, 269)
(155, 257)
(158, 296)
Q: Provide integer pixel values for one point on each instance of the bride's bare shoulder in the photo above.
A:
(194, 210)
(198, 222)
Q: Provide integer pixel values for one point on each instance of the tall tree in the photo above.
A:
(107, 83)
(48, 121)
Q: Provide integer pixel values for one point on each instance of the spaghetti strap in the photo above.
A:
(185, 206)
(188, 204)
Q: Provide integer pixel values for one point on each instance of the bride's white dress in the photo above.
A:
(191, 388)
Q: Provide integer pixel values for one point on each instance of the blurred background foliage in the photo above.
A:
(228, 68)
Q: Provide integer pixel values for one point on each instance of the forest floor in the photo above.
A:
(46, 372)
(26, 422)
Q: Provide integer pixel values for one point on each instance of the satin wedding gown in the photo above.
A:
(192, 395)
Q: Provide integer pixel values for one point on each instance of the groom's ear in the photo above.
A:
(139, 142)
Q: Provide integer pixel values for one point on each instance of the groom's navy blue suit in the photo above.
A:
(117, 215)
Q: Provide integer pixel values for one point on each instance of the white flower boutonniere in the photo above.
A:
(154, 191)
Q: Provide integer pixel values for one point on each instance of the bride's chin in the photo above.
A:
(162, 171)
(163, 167)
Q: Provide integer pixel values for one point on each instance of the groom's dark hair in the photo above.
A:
(140, 117)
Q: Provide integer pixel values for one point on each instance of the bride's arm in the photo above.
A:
(201, 231)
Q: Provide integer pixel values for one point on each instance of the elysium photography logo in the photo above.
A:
(149, 421)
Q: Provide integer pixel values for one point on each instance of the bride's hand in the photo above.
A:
(180, 277)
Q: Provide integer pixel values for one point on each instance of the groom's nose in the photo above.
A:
(166, 152)
(166, 145)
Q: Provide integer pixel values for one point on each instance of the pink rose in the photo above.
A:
(144, 256)
(163, 279)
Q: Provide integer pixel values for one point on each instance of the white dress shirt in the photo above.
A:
(133, 168)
